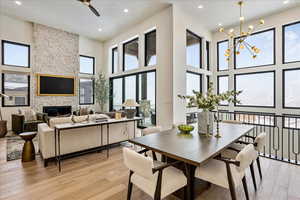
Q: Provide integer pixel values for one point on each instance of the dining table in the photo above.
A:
(192, 149)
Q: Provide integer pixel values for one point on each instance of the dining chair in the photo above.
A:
(228, 173)
(155, 178)
(148, 131)
(259, 142)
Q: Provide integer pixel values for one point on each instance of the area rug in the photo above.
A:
(15, 145)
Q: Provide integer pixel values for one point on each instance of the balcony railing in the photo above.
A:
(283, 133)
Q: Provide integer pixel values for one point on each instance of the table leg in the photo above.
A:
(190, 173)
(55, 141)
(59, 159)
(107, 140)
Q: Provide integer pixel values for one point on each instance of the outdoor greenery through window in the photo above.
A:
(291, 38)
(115, 60)
(15, 54)
(291, 87)
(222, 86)
(258, 89)
(16, 86)
(193, 50)
(150, 48)
(193, 82)
(222, 59)
(86, 90)
(263, 40)
(87, 64)
(131, 55)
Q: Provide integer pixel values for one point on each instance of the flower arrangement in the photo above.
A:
(210, 101)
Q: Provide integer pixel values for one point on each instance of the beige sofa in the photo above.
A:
(80, 139)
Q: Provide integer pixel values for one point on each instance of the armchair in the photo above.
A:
(20, 124)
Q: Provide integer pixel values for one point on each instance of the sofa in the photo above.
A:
(80, 139)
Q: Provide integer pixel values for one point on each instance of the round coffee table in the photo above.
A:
(28, 153)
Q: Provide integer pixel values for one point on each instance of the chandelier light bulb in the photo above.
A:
(231, 30)
(221, 30)
(242, 18)
(251, 27)
(261, 21)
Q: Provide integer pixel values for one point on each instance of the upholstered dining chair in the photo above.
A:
(155, 178)
(226, 172)
(259, 142)
(148, 131)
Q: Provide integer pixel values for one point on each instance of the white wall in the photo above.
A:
(162, 21)
(276, 20)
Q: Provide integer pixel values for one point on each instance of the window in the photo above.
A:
(291, 42)
(117, 94)
(150, 48)
(131, 55)
(86, 90)
(87, 64)
(258, 89)
(193, 50)
(15, 54)
(193, 82)
(16, 86)
(222, 46)
(222, 86)
(115, 60)
(291, 85)
(207, 55)
(265, 41)
(208, 81)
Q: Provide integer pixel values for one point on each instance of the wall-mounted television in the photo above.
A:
(55, 85)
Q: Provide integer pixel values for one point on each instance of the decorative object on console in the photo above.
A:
(3, 123)
(242, 37)
(102, 88)
(132, 104)
(209, 102)
(118, 115)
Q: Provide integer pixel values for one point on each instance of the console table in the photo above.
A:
(61, 127)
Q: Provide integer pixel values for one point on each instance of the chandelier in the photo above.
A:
(241, 36)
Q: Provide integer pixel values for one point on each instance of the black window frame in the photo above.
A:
(146, 45)
(218, 86)
(218, 56)
(283, 42)
(283, 88)
(93, 87)
(200, 52)
(94, 60)
(207, 46)
(200, 81)
(123, 52)
(113, 59)
(274, 50)
(207, 81)
(19, 44)
(3, 91)
(260, 72)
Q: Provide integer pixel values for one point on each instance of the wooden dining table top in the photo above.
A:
(192, 148)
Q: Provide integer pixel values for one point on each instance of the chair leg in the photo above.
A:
(253, 176)
(129, 192)
(258, 166)
(245, 187)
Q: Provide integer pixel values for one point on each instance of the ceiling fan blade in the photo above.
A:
(94, 10)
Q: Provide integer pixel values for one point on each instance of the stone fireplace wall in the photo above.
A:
(56, 53)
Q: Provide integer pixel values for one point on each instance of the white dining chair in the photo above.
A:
(155, 178)
(228, 173)
(259, 142)
(148, 131)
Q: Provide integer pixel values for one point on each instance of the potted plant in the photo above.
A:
(207, 103)
(102, 87)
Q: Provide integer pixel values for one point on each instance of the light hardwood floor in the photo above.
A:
(94, 177)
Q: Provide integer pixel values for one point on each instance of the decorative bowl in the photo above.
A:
(185, 129)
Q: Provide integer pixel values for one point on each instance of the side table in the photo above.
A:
(28, 153)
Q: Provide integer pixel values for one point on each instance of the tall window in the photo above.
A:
(193, 83)
(291, 85)
(130, 87)
(193, 50)
(86, 90)
(208, 81)
(131, 55)
(222, 86)
(115, 60)
(16, 86)
(265, 41)
(15, 54)
(117, 94)
(291, 41)
(207, 55)
(150, 48)
(87, 64)
(258, 89)
(222, 46)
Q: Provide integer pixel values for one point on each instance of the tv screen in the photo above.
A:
(51, 85)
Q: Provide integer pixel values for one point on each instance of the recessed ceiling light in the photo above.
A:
(286, 1)
(99, 29)
(18, 3)
(126, 10)
(200, 6)
(219, 24)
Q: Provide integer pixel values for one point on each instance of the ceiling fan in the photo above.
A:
(88, 3)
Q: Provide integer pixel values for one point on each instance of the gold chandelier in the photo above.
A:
(241, 37)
